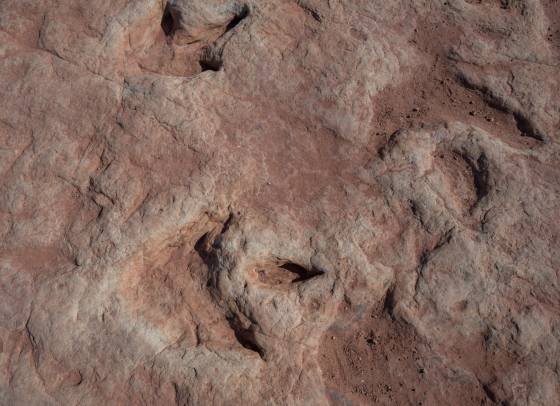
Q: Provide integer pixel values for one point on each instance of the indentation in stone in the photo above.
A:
(283, 274)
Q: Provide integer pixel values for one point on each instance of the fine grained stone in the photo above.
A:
(279, 202)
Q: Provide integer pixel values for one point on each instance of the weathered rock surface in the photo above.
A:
(280, 202)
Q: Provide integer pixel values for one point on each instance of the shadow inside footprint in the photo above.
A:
(284, 275)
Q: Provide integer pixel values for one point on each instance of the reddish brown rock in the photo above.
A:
(279, 202)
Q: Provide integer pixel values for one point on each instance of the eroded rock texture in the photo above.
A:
(279, 202)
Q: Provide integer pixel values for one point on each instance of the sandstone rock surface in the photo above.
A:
(285, 202)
